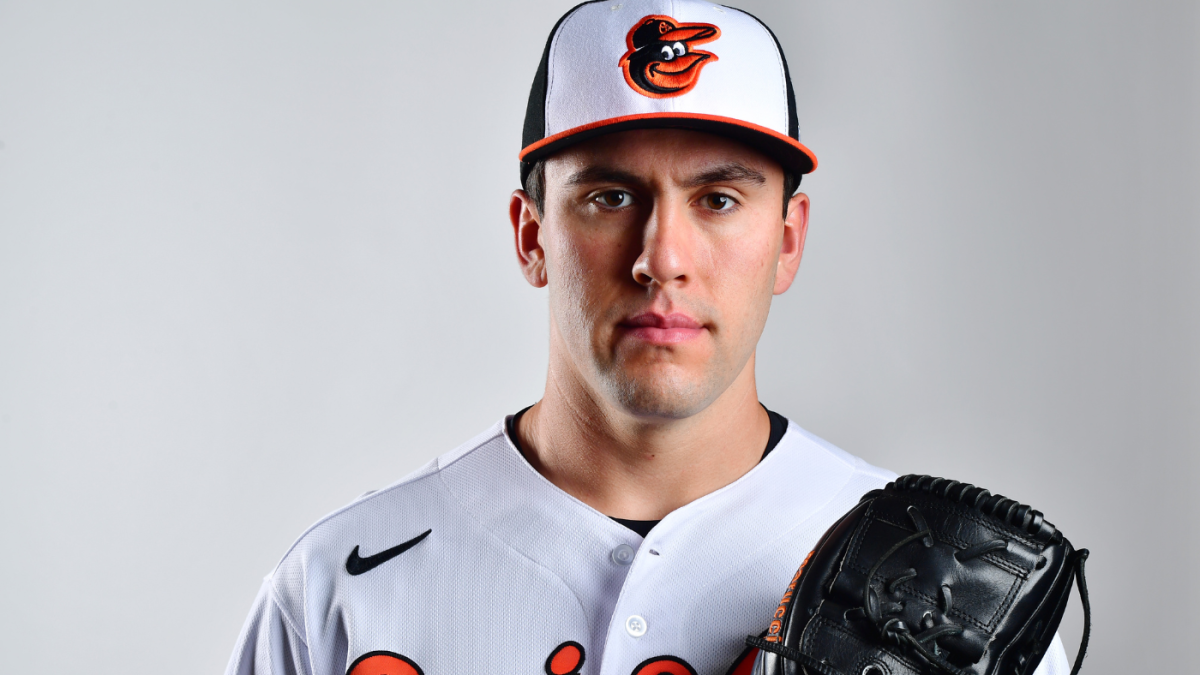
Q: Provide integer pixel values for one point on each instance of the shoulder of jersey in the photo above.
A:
(863, 470)
(353, 537)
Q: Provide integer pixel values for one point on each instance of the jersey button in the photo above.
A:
(623, 554)
(635, 626)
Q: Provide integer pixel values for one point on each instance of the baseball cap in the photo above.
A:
(616, 65)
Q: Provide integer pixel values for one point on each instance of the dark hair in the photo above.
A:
(535, 186)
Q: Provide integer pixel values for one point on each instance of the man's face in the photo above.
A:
(662, 249)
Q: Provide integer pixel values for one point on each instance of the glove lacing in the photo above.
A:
(894, 629)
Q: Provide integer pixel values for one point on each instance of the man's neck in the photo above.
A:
(632, 467)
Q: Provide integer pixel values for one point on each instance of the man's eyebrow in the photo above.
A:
(602, 174)
(726, 173)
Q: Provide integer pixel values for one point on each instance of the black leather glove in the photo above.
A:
(927, 576)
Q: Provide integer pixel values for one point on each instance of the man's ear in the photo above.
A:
(795, 229)
(527, 233)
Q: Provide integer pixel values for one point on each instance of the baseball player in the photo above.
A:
(646, 514)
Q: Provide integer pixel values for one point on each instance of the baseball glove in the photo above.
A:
(927, 576)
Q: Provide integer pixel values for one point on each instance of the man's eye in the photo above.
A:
(718, 202)
(615, 199)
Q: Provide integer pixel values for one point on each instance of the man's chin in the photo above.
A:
(662, 396)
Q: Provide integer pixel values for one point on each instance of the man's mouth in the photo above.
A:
(662, 329)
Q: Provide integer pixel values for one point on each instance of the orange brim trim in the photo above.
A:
(667, 116)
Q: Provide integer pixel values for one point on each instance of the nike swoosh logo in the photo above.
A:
(356, 565)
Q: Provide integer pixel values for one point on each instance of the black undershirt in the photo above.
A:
(778, 427)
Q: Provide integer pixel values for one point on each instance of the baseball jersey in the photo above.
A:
(476, 563)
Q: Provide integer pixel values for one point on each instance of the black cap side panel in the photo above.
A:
(793, 118)
(535, 112)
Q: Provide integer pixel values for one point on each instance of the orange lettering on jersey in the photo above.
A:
(745, 663)
(384, 663)
(566, 659)
(664, 665)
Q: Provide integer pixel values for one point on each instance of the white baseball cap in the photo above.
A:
(615, 65)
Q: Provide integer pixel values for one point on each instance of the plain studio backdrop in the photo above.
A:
(255, 260)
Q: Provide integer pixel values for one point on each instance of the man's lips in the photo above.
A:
(660, 329)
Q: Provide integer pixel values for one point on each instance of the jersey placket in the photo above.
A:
(644, 622)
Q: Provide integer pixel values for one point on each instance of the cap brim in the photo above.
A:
(789, 152)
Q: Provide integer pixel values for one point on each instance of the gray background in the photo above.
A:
(254, 260)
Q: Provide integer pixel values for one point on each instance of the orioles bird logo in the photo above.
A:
(660, 62)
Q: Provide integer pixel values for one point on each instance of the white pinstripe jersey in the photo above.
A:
(516, 577)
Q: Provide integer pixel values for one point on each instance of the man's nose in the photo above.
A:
(666, 246)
